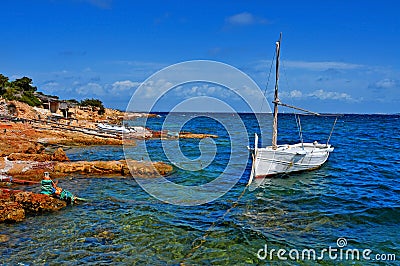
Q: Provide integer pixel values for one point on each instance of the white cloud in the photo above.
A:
(91, 88)
(244, 18)
(151, 88)
(385, 90)
(330, 95)
(291, 94)
(296, 94)
(124, 86)
(386, 84)
(51, 84)
(319, 94)
(250, 92)
(322, 65)
(213, 90)
(201, 90)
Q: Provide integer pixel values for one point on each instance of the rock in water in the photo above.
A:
(15, 204)
(60, 156)
(11, 211)
(4, 238)
(33, 202)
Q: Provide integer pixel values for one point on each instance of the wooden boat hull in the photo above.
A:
(288, 158)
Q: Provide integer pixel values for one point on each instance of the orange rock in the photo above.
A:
(35, 148)
(14, 204)
(29, 157)
(188, 135)
(142, 169)
(11, 211)
(60, 156)
(163, 168)
(33, 202)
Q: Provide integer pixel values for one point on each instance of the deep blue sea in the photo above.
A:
(354, 197)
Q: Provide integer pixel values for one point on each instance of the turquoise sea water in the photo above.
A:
(354, 196)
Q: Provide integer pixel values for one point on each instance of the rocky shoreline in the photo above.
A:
(29, 147)
(24, 157)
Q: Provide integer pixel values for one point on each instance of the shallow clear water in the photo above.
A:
(355, 195)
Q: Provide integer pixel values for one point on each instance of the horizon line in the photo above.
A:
(207, 112)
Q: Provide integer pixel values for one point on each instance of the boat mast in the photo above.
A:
(276, 99)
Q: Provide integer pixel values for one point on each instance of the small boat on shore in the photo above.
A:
(10, 179)
(135, 131)
(112, 128)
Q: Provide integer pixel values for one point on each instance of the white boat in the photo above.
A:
(136, 131)
(282, 159)
(113, 128)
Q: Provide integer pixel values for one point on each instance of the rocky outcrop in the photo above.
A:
(163, 168)
(32, 139)
(59, 156)
(122, 168)
(33, 170)
(11, 211)
(33, 203)
(29, 157)
(189, 135)
(15, 204)
(79, 139)
(35, 148)
(13, 145)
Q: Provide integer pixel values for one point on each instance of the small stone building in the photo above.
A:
(49, 102)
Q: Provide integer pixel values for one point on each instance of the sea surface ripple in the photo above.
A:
(355, 196)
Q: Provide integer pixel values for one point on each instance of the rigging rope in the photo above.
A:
(330, 134)
(266, 86)
(298, 123)
(284, 74)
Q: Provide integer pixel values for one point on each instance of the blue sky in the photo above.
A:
(337, 56)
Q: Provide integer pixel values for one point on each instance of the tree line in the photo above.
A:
(22, 90)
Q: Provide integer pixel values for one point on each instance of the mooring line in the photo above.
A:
(211, 227)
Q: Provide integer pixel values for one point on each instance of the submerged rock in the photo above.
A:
(4, 238)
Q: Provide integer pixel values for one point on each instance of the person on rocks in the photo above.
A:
(48, 186)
